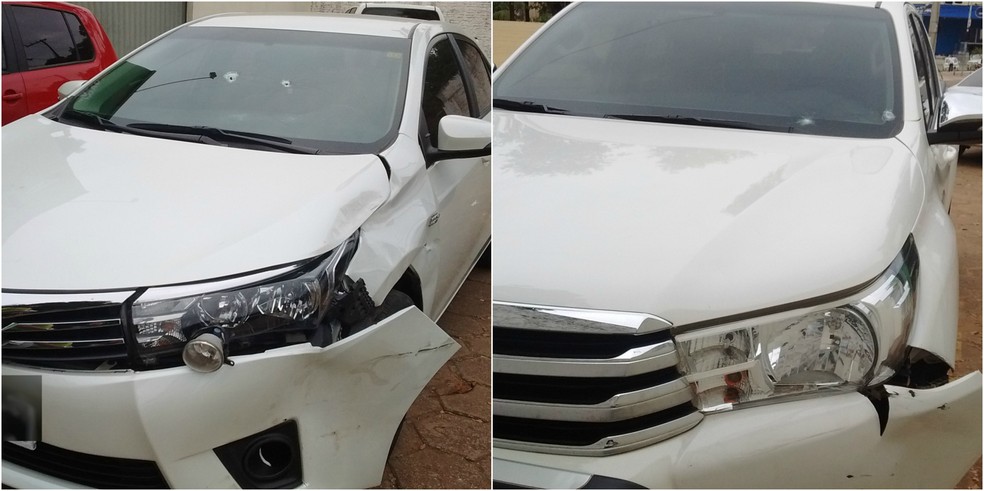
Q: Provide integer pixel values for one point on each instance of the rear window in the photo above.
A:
(801, 68)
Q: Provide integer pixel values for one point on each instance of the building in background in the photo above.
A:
(959, 30)
(130, 24)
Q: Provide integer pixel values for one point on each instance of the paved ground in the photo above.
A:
(966, 214)
(446, 441)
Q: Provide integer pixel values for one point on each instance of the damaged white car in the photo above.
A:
(223, 256)
(733, 274)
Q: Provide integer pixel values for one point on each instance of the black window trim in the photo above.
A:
(423, 131)
(19, 45)
(12, 42)
(928, 59)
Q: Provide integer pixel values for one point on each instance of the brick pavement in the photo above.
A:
(445, 441)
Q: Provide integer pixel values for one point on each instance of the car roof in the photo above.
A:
(400, 6)
(397, 27)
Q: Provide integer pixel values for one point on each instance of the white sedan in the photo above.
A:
(733, 274)
(223, 256)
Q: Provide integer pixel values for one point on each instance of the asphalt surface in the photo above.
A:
(445, 441)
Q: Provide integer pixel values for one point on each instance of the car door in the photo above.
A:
(943, 157)
(14, 101)
(55, 48)
(457, 82)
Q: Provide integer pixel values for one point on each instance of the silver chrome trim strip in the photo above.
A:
(643, 359)
(619, 407)
(543, 318)
(18, 327)
(611, 445)
(50, 344)
(37, 299)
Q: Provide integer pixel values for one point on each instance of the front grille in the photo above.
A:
(65, 335)
(88, 470)
(580, 382)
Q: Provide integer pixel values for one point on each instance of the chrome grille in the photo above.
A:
(581, 382)
(75, 335)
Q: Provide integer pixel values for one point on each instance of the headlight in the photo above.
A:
(249, 314)
(829, 349)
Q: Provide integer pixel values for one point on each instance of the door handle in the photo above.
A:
(11, 96)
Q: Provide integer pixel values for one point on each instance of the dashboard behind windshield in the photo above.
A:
(801, 68)
(340, 93)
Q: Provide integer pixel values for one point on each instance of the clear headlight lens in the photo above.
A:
(279, 311)
(840, 348)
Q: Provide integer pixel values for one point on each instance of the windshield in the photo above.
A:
(802, 68)
(338, 93)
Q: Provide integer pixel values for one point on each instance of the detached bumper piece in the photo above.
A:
(588, 383)
(85, 469)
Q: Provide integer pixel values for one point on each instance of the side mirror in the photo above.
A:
(460, 133)
(67, 88)
(460, 137)
(960, 120)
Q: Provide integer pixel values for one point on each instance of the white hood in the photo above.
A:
(690, 223)
(90, 210)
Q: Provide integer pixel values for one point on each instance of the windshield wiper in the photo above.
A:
(218, 134)
(694, 121)
(96, 121)
(527, 106)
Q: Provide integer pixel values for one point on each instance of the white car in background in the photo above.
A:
(964, 99)
(224, 256)
(733, 274)
(408, 10)
(974, 62)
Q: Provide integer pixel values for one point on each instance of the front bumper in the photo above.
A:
(932, 437)
(347, 400)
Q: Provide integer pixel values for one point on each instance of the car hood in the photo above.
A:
(92, 210)
(691, 223)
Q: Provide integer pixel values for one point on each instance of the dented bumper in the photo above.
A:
(931, 438)
(347, 400)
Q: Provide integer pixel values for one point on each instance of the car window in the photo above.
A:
(80, 37)
(925, 63)
(444, 91)
(45, 35)
(341, 93)
(478, 71)
(797, 67)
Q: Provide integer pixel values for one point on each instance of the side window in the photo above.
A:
(46, 37)
(925, 69)
(83, 45)
(478, 71)
(444, 92)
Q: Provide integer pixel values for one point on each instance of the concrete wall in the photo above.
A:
(130, 24)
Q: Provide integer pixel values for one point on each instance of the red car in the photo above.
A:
(46, 44)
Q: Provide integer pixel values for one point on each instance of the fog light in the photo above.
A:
(204, 353)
